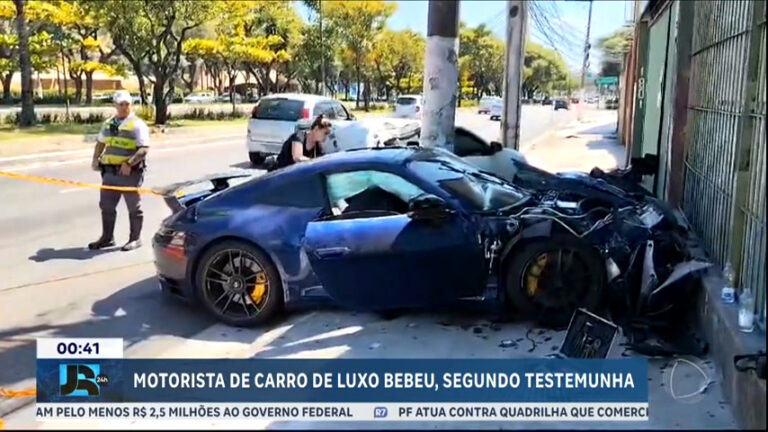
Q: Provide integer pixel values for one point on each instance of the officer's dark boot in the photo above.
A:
(107, 232)
(134, 241)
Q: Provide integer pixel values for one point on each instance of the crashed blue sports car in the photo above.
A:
(407, 227)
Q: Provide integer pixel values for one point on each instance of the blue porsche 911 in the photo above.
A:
(401, 227)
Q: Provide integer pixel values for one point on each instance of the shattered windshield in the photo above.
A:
(480, 191)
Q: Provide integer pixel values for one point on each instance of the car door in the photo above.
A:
(342, 124)
(373, 258)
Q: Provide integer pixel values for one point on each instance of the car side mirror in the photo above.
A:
(496, 147)
(428, 207)
(351, 117)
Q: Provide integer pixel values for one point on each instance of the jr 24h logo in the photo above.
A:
(81, 379)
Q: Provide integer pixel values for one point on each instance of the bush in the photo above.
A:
(145, 112)
(51, 97)
(50, 118)
(208, 114)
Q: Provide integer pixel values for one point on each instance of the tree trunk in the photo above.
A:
(7, 88)
(357, 78)
(89, 87)
(367, 94)
(160, 102)
(58, 80)
(27, 102)
(232, 78)
(78, 89)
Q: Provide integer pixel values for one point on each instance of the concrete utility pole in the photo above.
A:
(441, 74)
(585, 64)
(322, 48)
(587, 47)
(517, 13)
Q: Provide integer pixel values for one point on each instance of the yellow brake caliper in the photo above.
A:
(534, 271)
(259, 288)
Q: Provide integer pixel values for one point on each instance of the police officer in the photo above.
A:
(120, 152)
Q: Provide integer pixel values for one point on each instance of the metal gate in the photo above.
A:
(724, 191)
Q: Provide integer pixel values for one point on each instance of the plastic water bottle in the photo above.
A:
(746, 310)
(728, 294)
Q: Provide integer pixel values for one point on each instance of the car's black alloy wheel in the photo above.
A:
(238, 284)
(548, 279)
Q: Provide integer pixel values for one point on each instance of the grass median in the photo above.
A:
(54, 137)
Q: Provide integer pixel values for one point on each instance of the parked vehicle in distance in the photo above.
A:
(497, 109)
(408, 106)
(103, 97)
(561, 104)
(224, 97)
(546, 101)
(486, 102)
(574, 100)
(136, 98)
(274, 118)
(200, 97)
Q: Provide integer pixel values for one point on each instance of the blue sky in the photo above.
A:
(568, 17)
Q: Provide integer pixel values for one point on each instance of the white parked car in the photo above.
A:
(486, 102)
(200, 97)
(224, 97)
(497, 109)
(274, 118)
(409, 106)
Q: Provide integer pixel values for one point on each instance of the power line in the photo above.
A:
(552, 32)
(564, 25)
(549, 34)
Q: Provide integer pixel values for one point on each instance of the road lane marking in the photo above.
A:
(76, 161)
(90, 150)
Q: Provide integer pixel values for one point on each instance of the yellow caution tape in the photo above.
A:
(17, 393)
(78, 184)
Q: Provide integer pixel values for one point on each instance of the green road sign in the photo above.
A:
(607, 81)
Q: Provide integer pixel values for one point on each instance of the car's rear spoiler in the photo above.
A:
(182, 194)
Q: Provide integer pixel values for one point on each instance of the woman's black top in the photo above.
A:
(285, 157)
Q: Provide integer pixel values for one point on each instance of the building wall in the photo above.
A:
(700, 105)
(724, 171)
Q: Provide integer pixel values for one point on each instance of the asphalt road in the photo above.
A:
(51, 285)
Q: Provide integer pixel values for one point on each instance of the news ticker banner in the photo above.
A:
(89, 379)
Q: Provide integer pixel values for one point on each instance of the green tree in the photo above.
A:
(155, 34)
(543, 70)
(397, 56)
(358, 24)
(481, 58)
(279, 23)
(614, 47)
(87, 48)
(9, 43)
(313, 54)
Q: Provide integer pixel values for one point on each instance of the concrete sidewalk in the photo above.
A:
(581, 145)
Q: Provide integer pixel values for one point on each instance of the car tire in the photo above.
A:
(257, 158)
(206, 288)
(584, 291)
